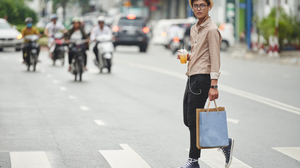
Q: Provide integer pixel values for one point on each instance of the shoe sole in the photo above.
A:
(231, 153)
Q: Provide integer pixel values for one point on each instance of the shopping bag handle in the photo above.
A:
(215, 106)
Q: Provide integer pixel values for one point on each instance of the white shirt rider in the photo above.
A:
(96, 31)
(54, 28)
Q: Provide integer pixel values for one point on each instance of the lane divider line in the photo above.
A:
(234, 121)
(84, 108)
(99, 122)
(224, 88)
(56, 81)
(126, 158)
(49, 76)
(63, 88)
(72, 97)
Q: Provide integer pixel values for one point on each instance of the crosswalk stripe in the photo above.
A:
(84, 108)
(216, 159)
(293, 152)
(29, 160)
(235, 121)
(126, 158)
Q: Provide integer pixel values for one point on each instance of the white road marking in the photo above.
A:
(56, 81)
(29, 160)
(231, 90)
(49, 76)
(234, 121)
(43, 70)
(99, 122)
(63, 88)
(126, 158)
(72, 97)
(293, 152)
(94, 71)
(84, 108)
(216, 159)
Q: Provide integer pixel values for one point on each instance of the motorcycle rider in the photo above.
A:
(76, 33)
(52, 28)
(28, 30)
(99, 30)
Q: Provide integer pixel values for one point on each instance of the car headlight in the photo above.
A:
(19, 36)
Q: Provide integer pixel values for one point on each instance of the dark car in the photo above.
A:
(131, 30)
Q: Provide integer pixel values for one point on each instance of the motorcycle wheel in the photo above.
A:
(101, 70)
(63, 61)
(80, 72)
(75, 74)
(28, 67)
(54, 62)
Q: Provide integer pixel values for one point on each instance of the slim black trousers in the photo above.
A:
(192, 100)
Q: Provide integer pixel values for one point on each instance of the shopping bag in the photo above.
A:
(211, 127)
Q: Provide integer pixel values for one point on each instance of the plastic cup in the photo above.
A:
(183, 56)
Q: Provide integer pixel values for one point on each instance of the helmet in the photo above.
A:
(28, 19)
(53, 16)
(211, 3)
(101, 19)
(76, 19)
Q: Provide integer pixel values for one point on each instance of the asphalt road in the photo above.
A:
(133, 116)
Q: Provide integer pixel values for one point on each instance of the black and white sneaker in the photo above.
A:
(227, 151)
(191, 163)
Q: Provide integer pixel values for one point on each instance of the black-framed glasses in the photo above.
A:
(199, 6)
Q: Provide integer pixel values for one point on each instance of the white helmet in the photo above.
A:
(76, 19)
(101, 19)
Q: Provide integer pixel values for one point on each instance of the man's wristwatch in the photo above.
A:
(214, 86)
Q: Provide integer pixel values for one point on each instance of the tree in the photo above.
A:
(63, 3)
(16, 11)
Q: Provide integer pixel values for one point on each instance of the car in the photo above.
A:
(161, 30)
(227, 33)
(9, 36)
(131, 31)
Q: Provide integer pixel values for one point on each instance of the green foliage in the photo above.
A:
(16, 11)
(289, 27)
(84, 4)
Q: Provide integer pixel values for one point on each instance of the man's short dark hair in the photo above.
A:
(207, 1)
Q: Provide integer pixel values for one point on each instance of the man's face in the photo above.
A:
(200, 8)
(54, 21)
(101, 24)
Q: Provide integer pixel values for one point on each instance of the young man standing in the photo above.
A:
(203, 74)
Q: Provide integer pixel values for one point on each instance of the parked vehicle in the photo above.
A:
(161, 34)
(131, 30)
(227, 33)
(60, 50)
(9, 36)
(77, 47)
(32, 58)
(176, 44)
(105, 48)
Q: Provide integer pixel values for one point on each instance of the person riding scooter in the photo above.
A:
(77, 33)
(52, 28)
(28, 30)
(99, 30)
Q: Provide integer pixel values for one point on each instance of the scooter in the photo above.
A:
(105, 48)
(77, 47)
(175, 45)
(60, 50)
(32, 54)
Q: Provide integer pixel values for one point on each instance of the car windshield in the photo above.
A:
(4, 25)
(134, 22)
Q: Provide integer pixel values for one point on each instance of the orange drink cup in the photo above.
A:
(183, 56)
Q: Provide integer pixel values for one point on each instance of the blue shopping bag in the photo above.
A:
(211, 127)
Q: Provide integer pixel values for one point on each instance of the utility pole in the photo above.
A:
(277, 18)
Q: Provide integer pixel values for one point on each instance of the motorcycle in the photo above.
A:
(77, 47)
(105, 48)
(59, 51)
(32, 54)
(175, 45)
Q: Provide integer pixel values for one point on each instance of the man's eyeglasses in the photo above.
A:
(200, 6)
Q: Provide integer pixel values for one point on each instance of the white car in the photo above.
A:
(160, 32)
(9, 36)
(227, 33)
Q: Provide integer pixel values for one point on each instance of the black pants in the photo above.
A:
(26, 50)
(96, 52)
(196, 83)
(71, 54)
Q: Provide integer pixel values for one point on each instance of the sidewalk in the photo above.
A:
(240, 51)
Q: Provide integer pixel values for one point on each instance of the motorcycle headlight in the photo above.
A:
(19, 36)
